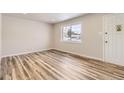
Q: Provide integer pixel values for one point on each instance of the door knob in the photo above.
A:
(106, 41)
(106, 33)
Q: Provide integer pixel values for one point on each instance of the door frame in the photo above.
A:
(104, 29)
(104, 37)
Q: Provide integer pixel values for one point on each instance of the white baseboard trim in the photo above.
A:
(24, 53)
(85, 56)
(100, 59)
(89, 57)
(95, 58)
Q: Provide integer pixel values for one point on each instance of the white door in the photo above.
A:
(114, 38)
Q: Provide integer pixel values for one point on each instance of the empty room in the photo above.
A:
(62, 46)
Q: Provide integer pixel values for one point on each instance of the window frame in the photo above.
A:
(70, 41)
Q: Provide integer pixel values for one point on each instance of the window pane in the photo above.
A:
(66, 33)
(71, 33)
(76, 31)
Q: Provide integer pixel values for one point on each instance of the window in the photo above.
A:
(72, 33)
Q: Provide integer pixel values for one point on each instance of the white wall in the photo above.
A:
(0, 36)
(23, 36)
(92, 39)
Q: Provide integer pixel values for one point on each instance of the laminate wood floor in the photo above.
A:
(57, 65)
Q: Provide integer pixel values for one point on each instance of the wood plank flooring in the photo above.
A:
(57, 65)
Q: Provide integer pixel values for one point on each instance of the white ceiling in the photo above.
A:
(46, 17)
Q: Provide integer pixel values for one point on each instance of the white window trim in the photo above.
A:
(69, 41)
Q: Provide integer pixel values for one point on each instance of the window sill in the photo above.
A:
(78, 42)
